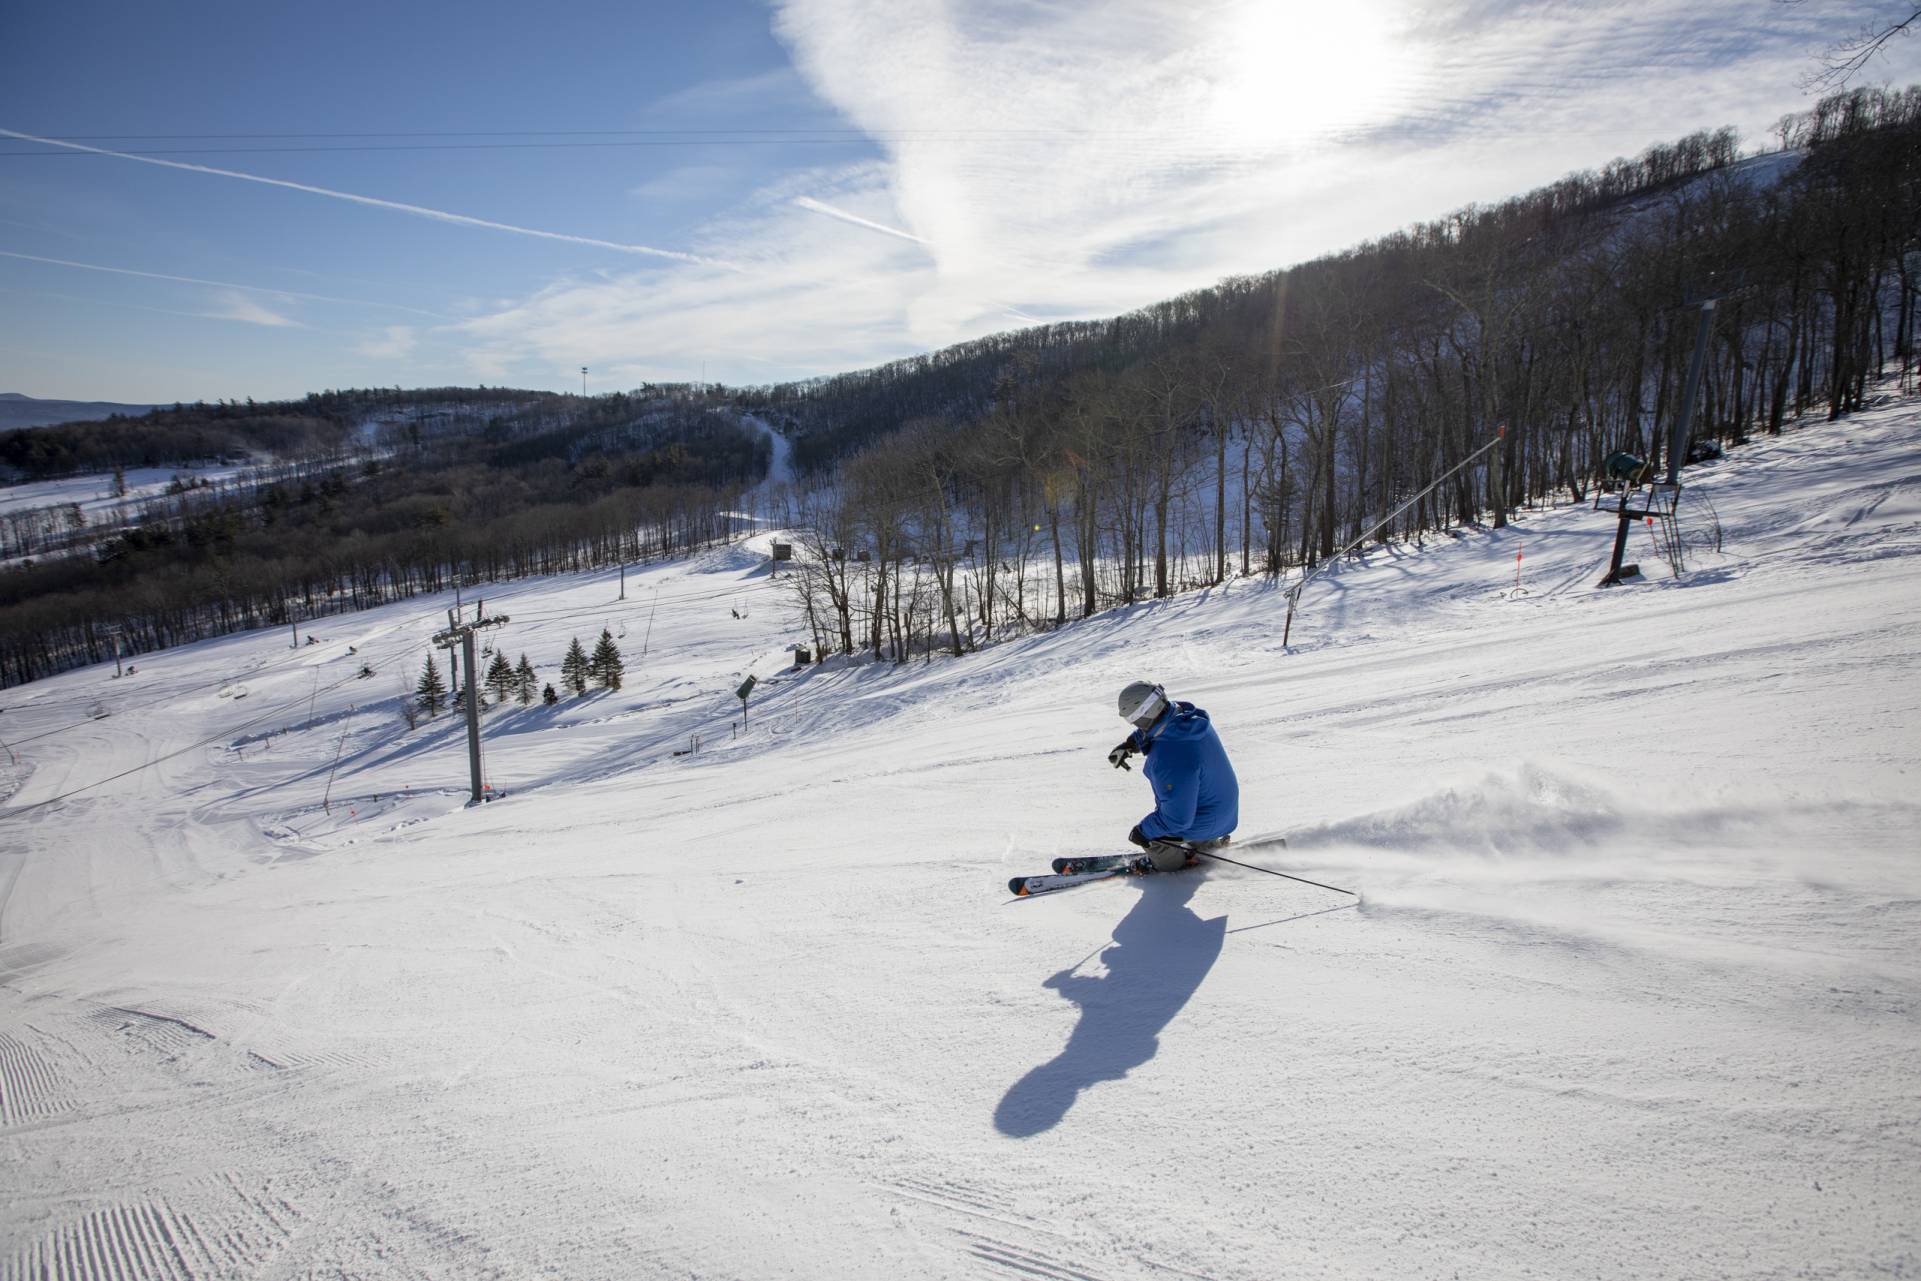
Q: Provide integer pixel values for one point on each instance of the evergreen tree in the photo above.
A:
(573, 668)
(500, 678)
(605, 666)
(548, 696)
(526, 685)
(431, 692)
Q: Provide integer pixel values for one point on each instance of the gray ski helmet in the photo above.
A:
(1142, 703)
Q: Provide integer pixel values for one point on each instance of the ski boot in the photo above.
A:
(1145, 864)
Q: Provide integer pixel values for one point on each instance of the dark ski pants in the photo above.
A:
(1169, 856)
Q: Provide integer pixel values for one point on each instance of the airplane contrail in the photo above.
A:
(222, 284)
(134, 306)
(819, 207)
(419, 211)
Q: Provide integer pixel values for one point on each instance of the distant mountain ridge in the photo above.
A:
(17, 410)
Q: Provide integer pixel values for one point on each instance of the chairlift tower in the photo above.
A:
(1663, 497)
(114, 630)
(1642, 499)
(461, 633)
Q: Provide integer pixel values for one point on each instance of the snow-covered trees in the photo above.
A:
(431, 692)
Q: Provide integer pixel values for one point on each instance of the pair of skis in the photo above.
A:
(1069, 872)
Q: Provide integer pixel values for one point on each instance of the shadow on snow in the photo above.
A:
(1162, 951)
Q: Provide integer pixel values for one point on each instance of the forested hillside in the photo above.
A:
(321, 424)
(374, 496)
(1266, 422)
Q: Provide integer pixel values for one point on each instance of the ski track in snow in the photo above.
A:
(1632, 987)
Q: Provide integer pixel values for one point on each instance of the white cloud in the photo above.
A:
(234, 305)
(743, 97)
(224, 284)
(393, 342)
(1062, 161)
(685, 184)
(813, 295)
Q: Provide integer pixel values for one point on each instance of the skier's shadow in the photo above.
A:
(1161, 953)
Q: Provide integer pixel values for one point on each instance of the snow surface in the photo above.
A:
(775, 490)
(94, 490)
(1631, 989)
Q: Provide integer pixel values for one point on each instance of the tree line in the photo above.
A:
(352, 531)
(1260, 425)
(337, 423)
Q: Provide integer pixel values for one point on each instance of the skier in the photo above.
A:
(1196, 796)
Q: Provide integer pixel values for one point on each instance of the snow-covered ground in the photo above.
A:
(776, 491)
(1631, 988)
(94, 491)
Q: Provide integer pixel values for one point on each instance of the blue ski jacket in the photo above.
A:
(1196, 796)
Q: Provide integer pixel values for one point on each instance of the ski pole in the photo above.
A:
(1271, 872)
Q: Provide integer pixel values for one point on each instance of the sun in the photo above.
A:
(1288, 73)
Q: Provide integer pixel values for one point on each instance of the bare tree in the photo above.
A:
(826, 531)
(1849, 56)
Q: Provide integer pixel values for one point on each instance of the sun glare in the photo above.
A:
(1294, 72)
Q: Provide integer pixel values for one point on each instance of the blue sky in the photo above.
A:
(775, 190)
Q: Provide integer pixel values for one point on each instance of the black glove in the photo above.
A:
(1118, 757)
(1139, 838)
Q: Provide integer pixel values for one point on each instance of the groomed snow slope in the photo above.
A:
(1632, 989)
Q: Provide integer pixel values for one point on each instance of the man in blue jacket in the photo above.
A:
(1197, 799)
